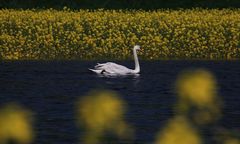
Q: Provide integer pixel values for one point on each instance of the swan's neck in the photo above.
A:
(137, 67)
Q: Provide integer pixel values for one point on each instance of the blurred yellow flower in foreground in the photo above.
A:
(197, 96)
(15, 125)
(199, 87)
(232, 141)
(178, 131)
(100, 113)
(228, 136)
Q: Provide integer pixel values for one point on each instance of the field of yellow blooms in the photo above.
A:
(111, 34)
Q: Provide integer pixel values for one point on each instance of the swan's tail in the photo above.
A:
(96, 71)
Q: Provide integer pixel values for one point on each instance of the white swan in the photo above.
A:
(111, 68)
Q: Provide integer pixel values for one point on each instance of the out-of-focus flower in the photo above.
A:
(198, 87)
(227, 136)
(197, 96)
(178, 131)
(101, 113)
(232, 141)
(15, 125)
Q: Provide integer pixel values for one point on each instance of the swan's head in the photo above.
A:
(137, 47)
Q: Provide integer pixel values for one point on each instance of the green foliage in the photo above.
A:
(111, 34)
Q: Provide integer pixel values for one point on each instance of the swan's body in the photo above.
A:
(111, 68)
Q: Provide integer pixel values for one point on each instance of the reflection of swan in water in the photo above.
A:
(111, 68)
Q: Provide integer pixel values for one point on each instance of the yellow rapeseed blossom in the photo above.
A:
(199, 87)
(102, 112)
(232, 141)
(178, 131)
(197, 96)
(15, 124)
(227, 136)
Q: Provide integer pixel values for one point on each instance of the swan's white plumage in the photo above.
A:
(111, 68)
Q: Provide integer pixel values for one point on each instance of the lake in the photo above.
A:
(50, 89)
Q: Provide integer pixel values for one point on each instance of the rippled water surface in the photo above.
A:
(50, 89)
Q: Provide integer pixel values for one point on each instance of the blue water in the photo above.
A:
(50, 89)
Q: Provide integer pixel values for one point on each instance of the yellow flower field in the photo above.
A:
(111, 34)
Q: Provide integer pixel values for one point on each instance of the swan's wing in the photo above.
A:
(112, 68)
(99, 65)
